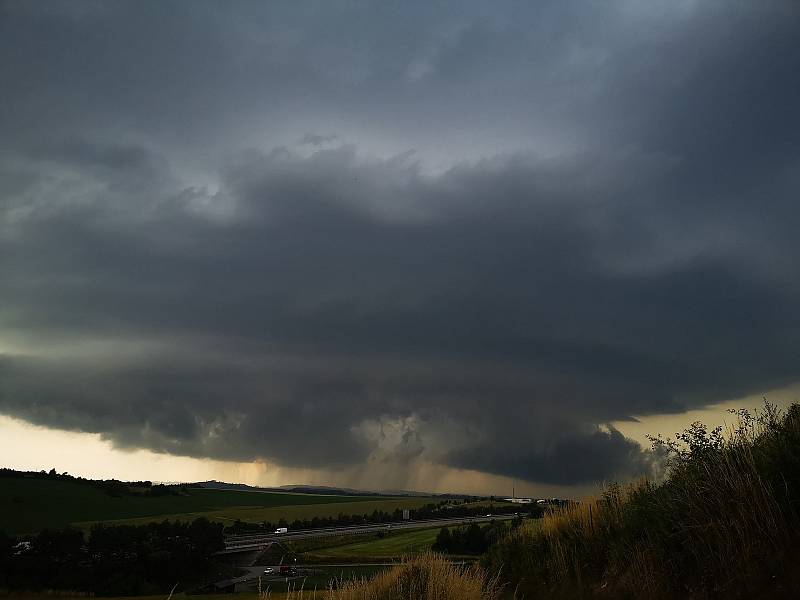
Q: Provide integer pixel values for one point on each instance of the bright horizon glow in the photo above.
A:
(28, 447)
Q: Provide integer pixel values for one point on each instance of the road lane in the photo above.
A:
(253, 541)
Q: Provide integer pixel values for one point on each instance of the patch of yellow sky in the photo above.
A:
(713, 415)
(28, 447)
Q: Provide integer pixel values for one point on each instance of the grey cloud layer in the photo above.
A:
(322, 306)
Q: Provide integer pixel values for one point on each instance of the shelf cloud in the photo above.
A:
(467, 234)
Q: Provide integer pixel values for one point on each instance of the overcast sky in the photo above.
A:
(367, 238)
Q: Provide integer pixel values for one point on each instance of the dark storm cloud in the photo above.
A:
(318, 303)
(586, 455)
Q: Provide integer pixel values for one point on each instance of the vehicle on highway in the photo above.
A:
(21, 548)
(269, 571)
(282, 530)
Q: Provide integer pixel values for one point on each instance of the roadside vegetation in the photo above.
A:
(472, 539)
(427, 576)
(724, 523)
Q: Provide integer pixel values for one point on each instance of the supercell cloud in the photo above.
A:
(344, 233)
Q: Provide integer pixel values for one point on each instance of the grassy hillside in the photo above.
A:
(393, 545)
(28, 505)
(348, 505)
(724, 523)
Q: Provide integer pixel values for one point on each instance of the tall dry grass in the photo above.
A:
(723, 523)
(423, 577)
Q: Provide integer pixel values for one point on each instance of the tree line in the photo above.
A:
(438, 510)
(115, 560)
(471, 539)
(112, 487)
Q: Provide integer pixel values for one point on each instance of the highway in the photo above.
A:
(253, 541)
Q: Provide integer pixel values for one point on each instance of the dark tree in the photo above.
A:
(444, 541)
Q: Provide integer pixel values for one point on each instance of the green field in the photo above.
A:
(28, 505)
(348, 505)
(391, 546)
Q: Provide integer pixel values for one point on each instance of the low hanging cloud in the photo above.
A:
(319, 303)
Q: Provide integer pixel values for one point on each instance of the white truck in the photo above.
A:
(282, 530)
